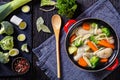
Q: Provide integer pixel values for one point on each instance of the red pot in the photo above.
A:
(113, 60)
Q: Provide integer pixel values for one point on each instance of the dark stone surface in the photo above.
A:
(40, 37)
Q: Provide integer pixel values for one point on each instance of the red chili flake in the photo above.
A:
(21, 66)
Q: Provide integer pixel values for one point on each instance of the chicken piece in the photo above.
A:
(111, 40)
(105, 53)
(82, 32)
(79, 54)
(88, 54)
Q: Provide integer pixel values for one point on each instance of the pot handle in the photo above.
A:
(114, 65)
(68, 24)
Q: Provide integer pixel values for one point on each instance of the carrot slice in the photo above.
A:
(103, 60)
(72, 38)
(105, 43)
(86, 26)
(92, 46)
(82, 62)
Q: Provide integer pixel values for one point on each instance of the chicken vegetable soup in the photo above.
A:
(91, 44)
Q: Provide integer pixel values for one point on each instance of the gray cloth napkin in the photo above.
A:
(46, 52)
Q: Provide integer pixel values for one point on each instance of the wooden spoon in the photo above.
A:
(56, 23)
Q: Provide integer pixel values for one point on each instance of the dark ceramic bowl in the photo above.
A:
(100, 22)
(20, 65)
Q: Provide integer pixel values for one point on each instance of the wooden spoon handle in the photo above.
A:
(58, 57)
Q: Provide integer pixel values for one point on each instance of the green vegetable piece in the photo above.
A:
(13, 52)
(22, 25)
(4, 57)
(78, 42)
(40, 21)
(25, 9)
(94, 25)
(21, 37)
(47, 3)
(24, 47)
(92, 38)
(94, 61)
(106, 31)
(66, 7)
(45, 28)
(7, 43)
(9, 7)
(6, 28)
(40, 25)
(72, 49)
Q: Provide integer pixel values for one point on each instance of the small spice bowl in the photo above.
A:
(20, 65)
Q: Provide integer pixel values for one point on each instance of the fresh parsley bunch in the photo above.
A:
(66, 7)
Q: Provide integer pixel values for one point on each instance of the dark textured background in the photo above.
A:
(40, 37)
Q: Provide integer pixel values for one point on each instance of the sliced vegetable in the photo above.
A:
(9, 7)
(72, 49)
(4, 57)
(86, 26)
(78, 42)
(82, 62)
(105, 43)
(72, 38)
(26, 9)
(13, 52)
(94, 61)
(103, 60)
(7, 43)
(24, 47)
(47, 3)
(21, 37)
(7, 28)
(106, 31)
(22, 25)
(92, 46)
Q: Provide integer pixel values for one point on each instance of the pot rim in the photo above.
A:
(117, 38)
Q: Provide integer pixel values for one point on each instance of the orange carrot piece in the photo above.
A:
(72, 38)
(103, 60)
(82, 62)
(105, 43)
(86, 26)
(92, 46)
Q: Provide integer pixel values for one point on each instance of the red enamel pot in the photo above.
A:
(113, 62)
